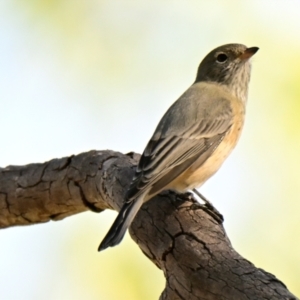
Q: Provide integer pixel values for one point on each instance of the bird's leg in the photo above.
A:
(210, 208)
(207, 202)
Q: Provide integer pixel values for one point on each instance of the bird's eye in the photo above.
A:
(221, 58)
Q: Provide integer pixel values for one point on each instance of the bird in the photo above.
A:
(195, 135)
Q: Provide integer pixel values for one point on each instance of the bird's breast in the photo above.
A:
(199, 172)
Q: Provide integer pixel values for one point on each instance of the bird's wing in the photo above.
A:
(180, 139)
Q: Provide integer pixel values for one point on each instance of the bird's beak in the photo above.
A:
(249, 52)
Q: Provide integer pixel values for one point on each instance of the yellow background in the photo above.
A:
(81, 75)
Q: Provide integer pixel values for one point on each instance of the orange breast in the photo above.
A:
(196, 175)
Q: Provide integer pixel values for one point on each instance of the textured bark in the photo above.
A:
(176, 233)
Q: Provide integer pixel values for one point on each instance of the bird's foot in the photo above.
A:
(209, 208)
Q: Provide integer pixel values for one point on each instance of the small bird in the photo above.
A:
(195, 135)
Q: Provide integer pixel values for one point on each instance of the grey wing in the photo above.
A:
(171, 151)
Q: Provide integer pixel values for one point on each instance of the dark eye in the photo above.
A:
(221, 58)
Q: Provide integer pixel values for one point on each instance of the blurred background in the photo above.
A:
(81, 75)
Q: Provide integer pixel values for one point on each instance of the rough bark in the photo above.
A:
(176, 233)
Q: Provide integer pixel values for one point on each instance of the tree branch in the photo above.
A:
(174, 231)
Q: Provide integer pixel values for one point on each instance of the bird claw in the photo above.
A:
(209, 208)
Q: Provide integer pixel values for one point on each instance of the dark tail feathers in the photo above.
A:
(120, 225)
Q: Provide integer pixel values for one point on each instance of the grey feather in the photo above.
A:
(180, 139)
(120, 225)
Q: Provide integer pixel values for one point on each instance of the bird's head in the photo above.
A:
(228, 65)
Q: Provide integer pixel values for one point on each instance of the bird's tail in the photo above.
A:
(122, 222)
